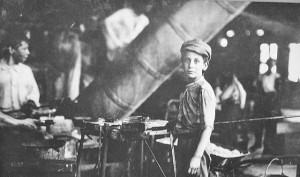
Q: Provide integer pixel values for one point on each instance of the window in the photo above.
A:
(294, 62)
(267, 51)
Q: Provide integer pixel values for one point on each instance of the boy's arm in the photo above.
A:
(242, 92)
(6, 121)
(227, 92)
(208, 106)
(33, 93)
(196, 159)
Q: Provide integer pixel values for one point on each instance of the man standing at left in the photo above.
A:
(18, 89)
(17, 83)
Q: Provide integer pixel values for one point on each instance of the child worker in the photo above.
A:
(196, 115)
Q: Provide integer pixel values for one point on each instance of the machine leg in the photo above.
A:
(142, 159)
(79, 154)
(99, 151)
(105, 136)
(173, 154)
(149, 148)
(129, 155)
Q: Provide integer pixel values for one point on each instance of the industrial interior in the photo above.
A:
(108, 80)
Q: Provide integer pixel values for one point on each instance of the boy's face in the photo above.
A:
(193, 64)
(21, 53)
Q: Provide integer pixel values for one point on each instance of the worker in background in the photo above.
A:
(19, 93)
(266, 105)
(233, 100)
(18, 88)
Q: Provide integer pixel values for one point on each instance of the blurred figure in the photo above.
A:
(68, 58)
(266, 106)
(18, 88)
(233, 100)
(18, 93)
(121, 28)
(233, 92)
(218, 92)
(75, 57)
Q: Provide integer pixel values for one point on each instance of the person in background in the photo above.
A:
(218, 92)
(18, 88)
(68, 59)
(233, 100)
(234, 91)
(196, 116)
(266, 106)
(18, 92)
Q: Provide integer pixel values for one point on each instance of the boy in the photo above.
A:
(196, 111)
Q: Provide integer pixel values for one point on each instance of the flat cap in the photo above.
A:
(197, 46)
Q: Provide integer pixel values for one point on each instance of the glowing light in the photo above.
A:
(273, 51)
(82, 27)
(46, 33)
(263, 67)
(95, 18)
(3, 13)
(223, 42)
(230, 33)
(264, 52)
(260, 32)
(294, 62)
(274, 69)
(248, 33)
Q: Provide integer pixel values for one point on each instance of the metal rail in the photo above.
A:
(258, 119)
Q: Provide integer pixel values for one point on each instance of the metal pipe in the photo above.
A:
(257, 119)
(154, 56)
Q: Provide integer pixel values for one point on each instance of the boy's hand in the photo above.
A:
(28, 123)
(194, 165)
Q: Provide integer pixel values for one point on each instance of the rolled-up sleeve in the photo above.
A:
(208, 104)
(33, 90)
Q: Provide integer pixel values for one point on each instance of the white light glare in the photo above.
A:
(263, 68)
(264, 52)
(274, 69)
(82, 27)
(294, 62)
(248, 33)
(230, 33)
(273, 51)
(260, 32)
(46, 33)
(223, 42)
